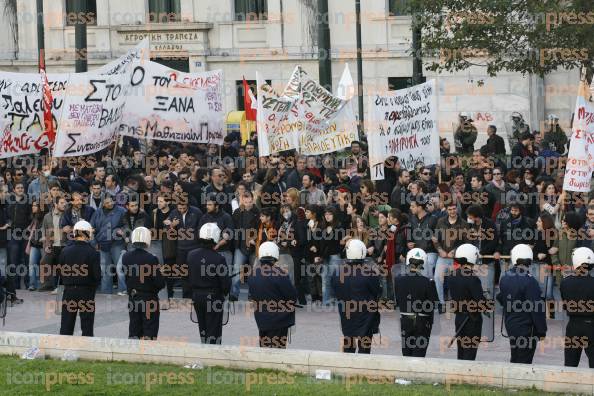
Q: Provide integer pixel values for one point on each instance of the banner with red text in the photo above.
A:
(403, 124)
(580, 161)
(166, 104)
(306, 117)
(22, 111)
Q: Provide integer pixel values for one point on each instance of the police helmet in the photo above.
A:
(416, 257)
(141, 237)
(83, 227)
(356, 250)
(521, 255)
(466, 254)
(210, 232)
(581, 256)
(268, 251)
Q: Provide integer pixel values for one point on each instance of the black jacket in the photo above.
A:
(415, 293)
(496, 145)
(514, 232)
(358, 290)
(79, 265)
(466, 291)
(245, 221)
(271, 289)
(208, 273)
(577, 294)
(187, 232)
(142, 273)
(19, 213)
(516, 287)
(421, 232)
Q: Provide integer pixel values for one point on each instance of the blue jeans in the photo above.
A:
(110, 260)
(34, 259)
(330, 268)
(442, 266)
(16, 261)
(429, 267)
(239, 259)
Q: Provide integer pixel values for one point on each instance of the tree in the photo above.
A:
(525, 36)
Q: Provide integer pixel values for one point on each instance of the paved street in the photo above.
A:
(317, 328)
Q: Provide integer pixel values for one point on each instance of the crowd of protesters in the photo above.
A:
(309, 205)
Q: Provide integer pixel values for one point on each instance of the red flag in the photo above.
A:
(250, 114)
(48, 121)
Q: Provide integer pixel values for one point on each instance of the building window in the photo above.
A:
(397, 83)
(253, 86)
(88, 16)
(251, 10)
(164, 11)
(398, 7)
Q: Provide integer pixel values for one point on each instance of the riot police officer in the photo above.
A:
(80, 271)
(210, 282)
(523, 306)
(467, 298)
(357, 285)
(143, 280)
(416, 296)
(577, 291)
(274, 295)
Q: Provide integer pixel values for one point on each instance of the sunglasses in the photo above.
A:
(426, 174)
(496, 174)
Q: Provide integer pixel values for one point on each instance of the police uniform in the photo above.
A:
(209, 281)
(271, 289)
(358, 288)
(524, 313)
(143, 280)
(416, 296)
(466, 292)
(577, 293)
(80, 272)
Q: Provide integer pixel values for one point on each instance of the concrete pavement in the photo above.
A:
(317, 328)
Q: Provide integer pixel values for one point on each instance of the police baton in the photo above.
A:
(459, 331)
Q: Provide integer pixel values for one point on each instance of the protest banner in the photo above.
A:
(307, 117)
(22, 108)
(331, 124)
(93, 109)
(580, 161)
(403, 124)
(278, 124)
(165, 104)
(140, 53)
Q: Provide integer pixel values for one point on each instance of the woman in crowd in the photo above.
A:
(286, 240)
(267, 230)
(312, 252)
(332, 234)
(35, 246)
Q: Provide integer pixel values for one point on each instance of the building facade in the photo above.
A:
(243, 37)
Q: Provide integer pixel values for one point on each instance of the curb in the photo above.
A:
(424, 370)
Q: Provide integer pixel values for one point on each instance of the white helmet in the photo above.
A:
(582, 256)
(416, 254)
(466, 115)
(210, 231)
(467, 254)
(83, 225)
(141, 235)
(356, 250)
(521, 252)
(268, 250)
